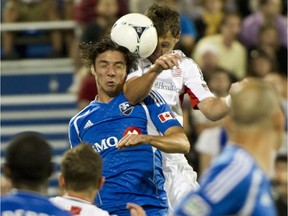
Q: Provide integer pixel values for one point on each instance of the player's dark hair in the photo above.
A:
(164, 18)
(81, 168)
(29, 159)
(90, 51)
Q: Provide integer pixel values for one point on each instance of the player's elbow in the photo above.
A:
(133, 100)
(186, 147)
(212, 117)
(216, 115)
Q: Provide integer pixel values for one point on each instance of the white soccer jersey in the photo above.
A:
(172, 84)
(77, 207)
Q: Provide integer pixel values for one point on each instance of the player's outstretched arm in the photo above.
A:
(173, 141)
(216, 108)
(137, 88)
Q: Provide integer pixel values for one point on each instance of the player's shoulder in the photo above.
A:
(84, 112)
(29, 201)
(154, 98)
(234, 167)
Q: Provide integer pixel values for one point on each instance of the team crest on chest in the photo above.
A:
(126, 108)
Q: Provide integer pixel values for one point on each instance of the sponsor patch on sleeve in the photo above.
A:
(165, 116)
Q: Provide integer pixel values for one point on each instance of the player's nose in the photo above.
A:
(111, 71)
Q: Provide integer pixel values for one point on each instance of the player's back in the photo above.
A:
(28, 203)
(233, 185)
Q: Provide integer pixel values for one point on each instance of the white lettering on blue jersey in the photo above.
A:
(105, 143)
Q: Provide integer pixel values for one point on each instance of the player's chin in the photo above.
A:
(112, 91)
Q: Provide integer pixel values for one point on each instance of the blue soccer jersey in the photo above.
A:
(28, 203)
(233, 185)
(133, 174)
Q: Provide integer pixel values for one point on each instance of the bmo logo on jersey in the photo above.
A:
(113, 141)
(126, 108)
(105, 143)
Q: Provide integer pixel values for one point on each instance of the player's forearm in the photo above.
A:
(138, 88)
(214, 108)
(173, 143)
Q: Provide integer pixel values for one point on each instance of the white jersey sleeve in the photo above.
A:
(194, 84)
(140, 70)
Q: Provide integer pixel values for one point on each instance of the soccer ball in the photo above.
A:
(137, 33)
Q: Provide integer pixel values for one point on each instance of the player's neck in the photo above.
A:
(105, 97)
(260, 146)
(88, 196)
(41, 189)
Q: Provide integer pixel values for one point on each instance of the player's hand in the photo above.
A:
(135, 210)
(132, 140)
(166, 61)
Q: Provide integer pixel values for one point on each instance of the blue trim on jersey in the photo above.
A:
(232, 185)
(133, 174)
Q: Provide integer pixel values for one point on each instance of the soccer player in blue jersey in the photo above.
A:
(238, 181)
(28, 165)
(127, 137)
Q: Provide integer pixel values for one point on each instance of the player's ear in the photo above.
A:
(178, 37)
(92, 69)
(101, 182)
(61, 181)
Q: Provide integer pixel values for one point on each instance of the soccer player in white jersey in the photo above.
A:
(238, 180)
(128, 138)
(80, 179)
(172, 74)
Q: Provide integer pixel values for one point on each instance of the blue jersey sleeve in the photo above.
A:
(160, 112)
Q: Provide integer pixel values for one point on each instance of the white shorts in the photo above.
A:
(180, 177)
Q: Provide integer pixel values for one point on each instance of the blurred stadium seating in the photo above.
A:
(34, 98)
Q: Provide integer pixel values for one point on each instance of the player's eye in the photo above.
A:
(119, 66)
(103, 65)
